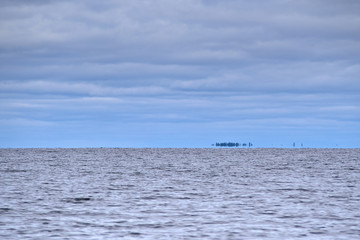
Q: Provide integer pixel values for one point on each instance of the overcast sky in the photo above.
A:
(179, 73)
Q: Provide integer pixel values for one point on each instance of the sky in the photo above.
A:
(179, 73)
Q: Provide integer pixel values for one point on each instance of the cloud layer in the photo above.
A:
(176, 73)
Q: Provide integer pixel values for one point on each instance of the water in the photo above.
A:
(180, 193)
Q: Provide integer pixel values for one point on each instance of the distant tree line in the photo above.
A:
(233, 144)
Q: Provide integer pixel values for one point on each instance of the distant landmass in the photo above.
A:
(232, 144)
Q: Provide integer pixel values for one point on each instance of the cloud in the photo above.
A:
(181, 61)
(78, 88)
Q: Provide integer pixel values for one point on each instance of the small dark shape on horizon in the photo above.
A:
(233, 144)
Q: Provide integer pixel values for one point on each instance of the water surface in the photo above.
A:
(179, 193)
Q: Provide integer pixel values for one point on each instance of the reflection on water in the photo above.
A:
(180, 193)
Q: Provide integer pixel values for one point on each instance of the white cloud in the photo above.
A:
(81, 88)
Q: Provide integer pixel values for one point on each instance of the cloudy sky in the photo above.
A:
(179, 73)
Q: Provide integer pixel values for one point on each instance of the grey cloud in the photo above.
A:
(153, 25)
(243, 62)
(275, 77)
(5, 3)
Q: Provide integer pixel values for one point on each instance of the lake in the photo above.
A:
(215, 193)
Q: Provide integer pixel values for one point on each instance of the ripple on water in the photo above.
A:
(179, 194)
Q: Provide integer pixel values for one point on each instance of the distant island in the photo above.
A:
(232, 144)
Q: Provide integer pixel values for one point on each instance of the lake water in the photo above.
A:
(180, 194)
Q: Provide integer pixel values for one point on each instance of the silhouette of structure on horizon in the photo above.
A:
(233, 144)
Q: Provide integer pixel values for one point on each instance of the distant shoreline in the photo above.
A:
(217, 148)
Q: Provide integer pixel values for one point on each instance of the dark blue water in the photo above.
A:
(180, 193)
